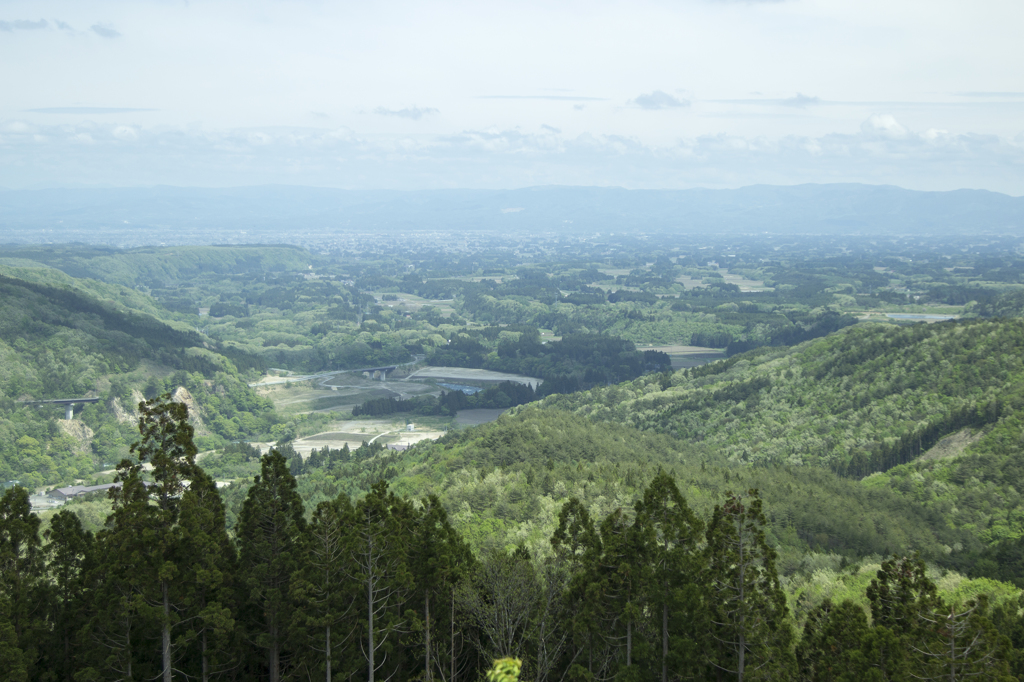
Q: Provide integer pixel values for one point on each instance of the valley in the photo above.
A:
(871, 396)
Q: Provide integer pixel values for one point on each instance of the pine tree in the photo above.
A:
(900, 594)
(749, 633)
(270, 529)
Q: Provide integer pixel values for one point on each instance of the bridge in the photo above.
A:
(68, 403)
(373, 371)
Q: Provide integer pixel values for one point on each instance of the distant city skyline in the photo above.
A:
(442, 94)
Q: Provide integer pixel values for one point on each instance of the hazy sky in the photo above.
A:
(416, 95)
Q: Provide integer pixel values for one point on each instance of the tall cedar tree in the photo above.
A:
(209, 566)
(749, 633)
(620, 579)
(961, 644)
(166, 443)
(122, 583)
(577, 544)
(21, 573)
(672, 534)
(438, 559)
(322, 592)
(270, 530)
(69, 551)
(899, 594)
(829, 650)
(378, 565)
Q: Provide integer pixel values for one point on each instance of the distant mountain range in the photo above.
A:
(185, 214)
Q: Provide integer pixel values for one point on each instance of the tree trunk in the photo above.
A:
(369, 610)
(165, 588)
(664, 642)
(67, 652)
(275, 655)
(427, 640)
(206, 664)
(327, 650)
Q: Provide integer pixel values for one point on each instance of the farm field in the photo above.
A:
(468, 374)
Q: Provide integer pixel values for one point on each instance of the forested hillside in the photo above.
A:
(386, 586)
(59, 342)
(860, 401)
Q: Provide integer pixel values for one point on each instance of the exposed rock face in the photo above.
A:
(77, 430)
(127, 414)
(181, 395)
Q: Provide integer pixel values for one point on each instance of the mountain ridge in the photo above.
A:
(262, 211)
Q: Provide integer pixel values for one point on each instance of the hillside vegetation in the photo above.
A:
(58, 342)
(859, 401)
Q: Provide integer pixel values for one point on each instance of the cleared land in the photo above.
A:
(684, 357)
(485, 376)
(355, 433)
(337, 392)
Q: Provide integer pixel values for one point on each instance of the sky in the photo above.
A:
(491, 94)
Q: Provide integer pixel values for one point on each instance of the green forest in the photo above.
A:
(768, 460)
(386, 586)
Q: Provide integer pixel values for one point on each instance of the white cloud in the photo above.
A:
(501, 157)
(659, 100)
(801, 101)
(125, 133)
(414, 113)
(883, 125)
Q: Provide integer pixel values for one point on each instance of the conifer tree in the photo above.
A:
(321, 589)
(208, 570)
(960, 643)
(122, 584)
(12, 658)
(620, 582)
(829, 650)
(377, 563)
(900, 594)
(21, 571)
(672, 532)
(166, 443)
(749, 633)
(69, 554)
(270, 529)
(438, 560)
(577, 544)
